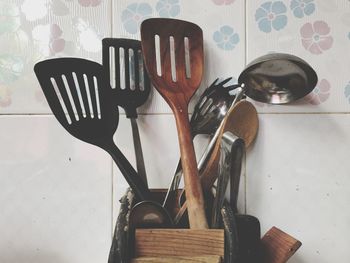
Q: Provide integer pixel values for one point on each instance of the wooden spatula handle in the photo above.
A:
(194, 193)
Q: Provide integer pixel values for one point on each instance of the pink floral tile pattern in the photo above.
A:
(5, 96)
(32, 30)
(320, 94)
(316, 37)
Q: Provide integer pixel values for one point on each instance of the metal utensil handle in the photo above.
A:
(222, 181)
(231, 151)
(140, 163)
(237, 158)
(134, 180)
(231, 234)
(238, 170)
(175, 182)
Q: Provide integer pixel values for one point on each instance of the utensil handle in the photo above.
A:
(175, 182)
(134, 180)
(237, 170)
(140, 163)
(223, 175)
(194, 193)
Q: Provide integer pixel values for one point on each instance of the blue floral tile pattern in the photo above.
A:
(133, 16)
(302, 8)
(226, 38)
(9, 17)
(347, 91)
(168, 8)
(271, 15)
(11, 67)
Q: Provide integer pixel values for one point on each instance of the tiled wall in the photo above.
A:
(59, 196)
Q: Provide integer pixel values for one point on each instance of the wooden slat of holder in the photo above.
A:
(278, 246)
(189, 246)
(203, 259)
(178, 242)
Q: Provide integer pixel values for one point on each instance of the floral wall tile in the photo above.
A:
(33, 30)
(311, 30)
(224, 35)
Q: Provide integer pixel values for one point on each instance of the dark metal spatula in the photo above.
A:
(79, 96)
(122, 60)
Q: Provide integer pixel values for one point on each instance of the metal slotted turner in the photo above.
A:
(79, 96)
(122, 60)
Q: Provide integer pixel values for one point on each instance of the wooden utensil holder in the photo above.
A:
(183, 244)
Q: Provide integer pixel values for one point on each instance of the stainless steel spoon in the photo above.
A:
(149, 214)
(276, 78)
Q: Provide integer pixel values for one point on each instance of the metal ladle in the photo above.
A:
(277, 78)
(149, 214)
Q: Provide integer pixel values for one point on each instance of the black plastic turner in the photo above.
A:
(122, 60)
(79, 95)
(248, 226)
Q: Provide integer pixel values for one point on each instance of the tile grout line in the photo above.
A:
(245, 63)
(171, 114)
(111, 19)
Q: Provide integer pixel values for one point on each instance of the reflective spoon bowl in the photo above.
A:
(277, 78)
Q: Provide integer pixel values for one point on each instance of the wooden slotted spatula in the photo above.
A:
(173, 55)
(79, 95)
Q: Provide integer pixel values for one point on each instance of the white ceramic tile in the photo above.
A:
(223, 27)
(56, 194)
(32, 30)
(297, 180)
(318, 33)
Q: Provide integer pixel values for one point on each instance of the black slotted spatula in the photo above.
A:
(122, 60)
(79, 95)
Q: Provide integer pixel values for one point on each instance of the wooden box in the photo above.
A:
(186, 245)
